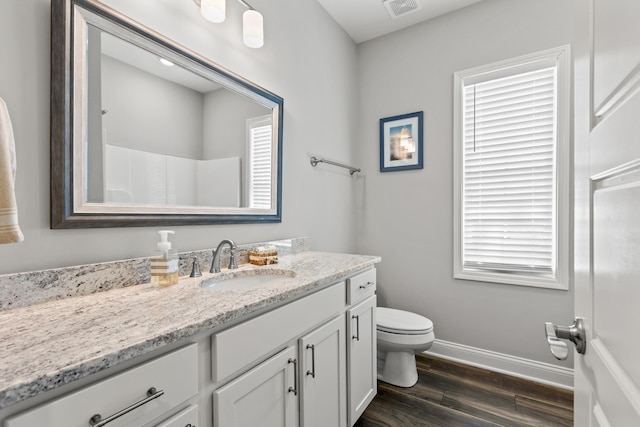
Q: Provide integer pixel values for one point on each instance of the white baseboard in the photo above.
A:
(541, 372)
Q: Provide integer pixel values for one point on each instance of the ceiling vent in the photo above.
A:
(398, 8)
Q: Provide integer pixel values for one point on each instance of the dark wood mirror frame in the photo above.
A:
(64, 120)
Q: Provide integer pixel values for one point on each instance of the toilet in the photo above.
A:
(400, 335)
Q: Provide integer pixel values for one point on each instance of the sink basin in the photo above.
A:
(242, 281)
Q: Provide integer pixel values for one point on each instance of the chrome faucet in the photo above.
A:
(215, 263)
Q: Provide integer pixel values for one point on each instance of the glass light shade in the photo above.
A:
(252, 29)
(213, 10)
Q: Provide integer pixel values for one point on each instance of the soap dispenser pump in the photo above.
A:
(164, 262)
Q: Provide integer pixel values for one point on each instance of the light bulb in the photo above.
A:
(213, 10)
(252, 29)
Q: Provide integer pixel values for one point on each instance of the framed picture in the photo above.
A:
(401, 142)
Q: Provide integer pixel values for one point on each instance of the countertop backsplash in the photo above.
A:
(34, 287)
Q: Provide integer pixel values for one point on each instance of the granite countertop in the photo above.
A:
(50, 344)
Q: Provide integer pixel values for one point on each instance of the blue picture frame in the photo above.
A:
(401, 142)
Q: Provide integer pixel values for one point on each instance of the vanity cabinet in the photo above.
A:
(325, 374)
(304, 384)
(310, 362)
(275, 392)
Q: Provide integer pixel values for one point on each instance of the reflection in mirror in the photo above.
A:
(161, 135)
(165, 135)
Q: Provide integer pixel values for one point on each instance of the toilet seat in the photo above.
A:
(394, 321)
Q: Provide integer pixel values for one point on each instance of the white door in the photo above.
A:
(607, 244)
(323, 376)
(266, 396)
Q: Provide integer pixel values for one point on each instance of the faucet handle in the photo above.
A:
(195, 270)
(233, 264)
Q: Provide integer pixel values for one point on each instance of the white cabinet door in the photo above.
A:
(323, 376)
(266, 396)
(362, 357)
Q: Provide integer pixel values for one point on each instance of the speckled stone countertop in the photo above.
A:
(50, 344)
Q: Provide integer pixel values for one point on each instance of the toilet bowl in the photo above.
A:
(400, 335)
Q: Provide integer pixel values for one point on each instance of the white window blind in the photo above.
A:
(260, 142)
(508, 173)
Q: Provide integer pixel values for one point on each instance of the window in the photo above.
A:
(259, 138)
(511, 170)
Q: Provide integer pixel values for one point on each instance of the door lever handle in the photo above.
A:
(574, 333)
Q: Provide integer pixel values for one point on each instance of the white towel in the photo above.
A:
(9, 229)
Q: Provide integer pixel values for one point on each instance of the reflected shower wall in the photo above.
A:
(144, 178)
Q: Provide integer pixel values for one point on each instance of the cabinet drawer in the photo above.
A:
(186, 418)
(175, 375)
(361, 286)
(241, 345)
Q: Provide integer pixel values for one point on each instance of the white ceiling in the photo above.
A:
(150, 62)
(367, 19)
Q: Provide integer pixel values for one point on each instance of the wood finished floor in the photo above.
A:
(450, 394)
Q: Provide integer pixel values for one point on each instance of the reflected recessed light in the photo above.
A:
(166, 62)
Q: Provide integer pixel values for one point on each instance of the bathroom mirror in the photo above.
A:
(145, 132)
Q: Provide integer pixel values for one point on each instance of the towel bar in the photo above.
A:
(314, 161)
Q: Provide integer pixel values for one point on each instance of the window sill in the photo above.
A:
(513, 279)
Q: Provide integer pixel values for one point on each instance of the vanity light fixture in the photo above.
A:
(213, 10)
(252, 23)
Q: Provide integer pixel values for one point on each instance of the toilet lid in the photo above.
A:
(399, 321)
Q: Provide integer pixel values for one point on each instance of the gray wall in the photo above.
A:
(149, 113)
(225, 124)
(310, 62)
(407, 217)
(332, 108)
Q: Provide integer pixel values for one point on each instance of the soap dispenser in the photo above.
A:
(164, 262)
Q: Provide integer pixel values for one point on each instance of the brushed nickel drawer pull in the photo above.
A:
(369, 284)
(152, 393)
(294, 389)
(312, 372)
(357, 335)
